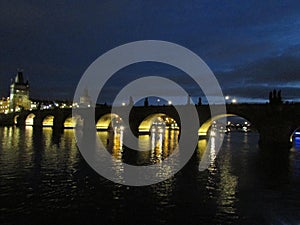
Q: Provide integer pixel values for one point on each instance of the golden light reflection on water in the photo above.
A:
(10, 151)
(59, 147)
(207, 151)
(37, 149)
(45, 162)
(9, 134)
(144, 156)
(225, 189)
(154, 148)
(114, 144)
(162, 144)
(228, 188)
(68, 142)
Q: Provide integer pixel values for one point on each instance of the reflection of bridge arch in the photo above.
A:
(29, 121)
(48, 121)
(146, 124)
(105, 121)
(204, 128)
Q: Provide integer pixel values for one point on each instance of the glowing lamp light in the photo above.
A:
(212, 133)
(234, 101)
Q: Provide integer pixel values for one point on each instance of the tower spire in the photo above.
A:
(19, 79)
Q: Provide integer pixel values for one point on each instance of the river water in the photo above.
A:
(45, 180)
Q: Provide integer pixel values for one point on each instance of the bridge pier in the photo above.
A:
(21, 120)
(275, 136)
(7, 119)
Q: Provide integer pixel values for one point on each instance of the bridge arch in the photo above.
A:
(70, 122)
(105, 121)
(16, 119)
(157, 118)
(29, 121)
(204, 128)
(48, 121)
(295, 136)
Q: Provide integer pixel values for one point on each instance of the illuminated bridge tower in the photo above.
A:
(19, 94)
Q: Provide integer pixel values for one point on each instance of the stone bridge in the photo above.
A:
(275, 123)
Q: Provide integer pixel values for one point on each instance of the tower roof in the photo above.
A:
(19, 78)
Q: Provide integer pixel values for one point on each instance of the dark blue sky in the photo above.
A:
(251, 46)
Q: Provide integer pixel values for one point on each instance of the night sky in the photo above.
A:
(251, 46)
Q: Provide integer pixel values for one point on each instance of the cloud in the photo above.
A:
(256, 79)
(256, 42)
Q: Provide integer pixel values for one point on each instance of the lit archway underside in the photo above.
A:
(29, 119)
(146, 124)
(16, 119)
(48, 121)
(292, 135)
(104, 122)
(70, 122)
(203, 130)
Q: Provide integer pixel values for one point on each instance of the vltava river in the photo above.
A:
(44, 180)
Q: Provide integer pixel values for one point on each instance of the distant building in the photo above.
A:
(4, 105)
(48, 104)
(19, 94)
